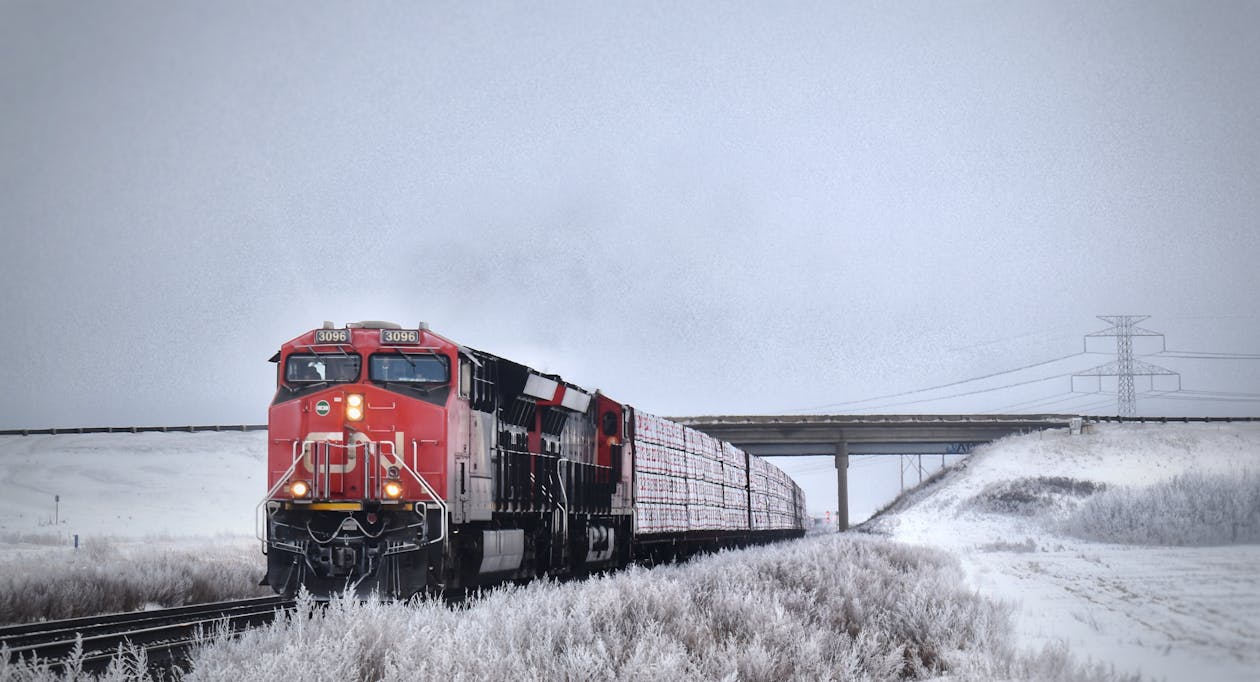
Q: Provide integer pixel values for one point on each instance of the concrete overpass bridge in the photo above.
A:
(839, 436)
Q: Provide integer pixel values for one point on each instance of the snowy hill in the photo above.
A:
(1175, 612)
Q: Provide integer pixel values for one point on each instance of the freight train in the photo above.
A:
(400, 462)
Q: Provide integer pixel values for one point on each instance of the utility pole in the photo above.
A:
(1126, 366)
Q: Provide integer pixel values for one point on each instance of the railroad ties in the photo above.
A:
(165, 635)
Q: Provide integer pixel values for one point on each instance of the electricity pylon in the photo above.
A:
(1126, 366)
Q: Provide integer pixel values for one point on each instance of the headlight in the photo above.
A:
(354, 407)
(393, 490)
(299, 489)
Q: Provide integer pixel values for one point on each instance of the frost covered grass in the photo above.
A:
(1033, 496)
(840, 607)
(131, 663)
(812, 610)
(827, 608)
(42, 539)
(105, 577)
(1193, 509)
(912, 495)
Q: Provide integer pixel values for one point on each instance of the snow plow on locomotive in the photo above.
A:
(400, 462)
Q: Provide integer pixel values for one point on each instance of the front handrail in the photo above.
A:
(259, 516)
(415, 450)
(372, 459)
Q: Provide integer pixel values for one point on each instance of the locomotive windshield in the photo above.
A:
(409, 368)
(306, 369)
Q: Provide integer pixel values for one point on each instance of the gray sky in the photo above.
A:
(696, 207)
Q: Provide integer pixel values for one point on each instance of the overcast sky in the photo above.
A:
(696, 207)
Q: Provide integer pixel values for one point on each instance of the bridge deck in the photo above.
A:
(811, 431)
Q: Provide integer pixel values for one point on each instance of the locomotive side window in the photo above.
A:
(610, 423)
(305, 369)
(409, 368)
(465, 378)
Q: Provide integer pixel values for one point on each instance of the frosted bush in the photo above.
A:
(910, 497)
(1033, 496)
(1192, 510)
(102, 577)
(44, 539)
(830, 608)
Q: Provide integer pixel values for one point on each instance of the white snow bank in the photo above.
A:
(129, 485)
(1176, 613)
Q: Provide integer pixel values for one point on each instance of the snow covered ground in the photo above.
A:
(129, 486)
(162, 519)
(1180, 613)
(1176, 613)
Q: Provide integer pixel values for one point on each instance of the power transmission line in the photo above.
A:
(1226, 394)
(967, 393)
(1036, 332)
(1196, 355)
(1126, 366)
(934, 388)
(1046, 401)
(1086, 408)
(1174, 395)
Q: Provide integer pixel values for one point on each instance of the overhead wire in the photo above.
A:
(1051, 400)
(861, 405)
(966, 393)
(1065, 398)
(1091, 406)
(1187, 356)
(1226, 394)
(1205, 355)
(1173, 395)
(947, 385)
(1042, 333)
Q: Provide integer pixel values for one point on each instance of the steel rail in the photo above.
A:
(165, 635)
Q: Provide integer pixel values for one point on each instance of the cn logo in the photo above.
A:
(390, 455)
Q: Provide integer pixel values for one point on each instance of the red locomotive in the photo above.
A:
(401, 462)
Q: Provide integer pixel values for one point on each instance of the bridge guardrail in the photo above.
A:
(1170, 420)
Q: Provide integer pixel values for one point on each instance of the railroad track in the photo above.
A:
(164, 635)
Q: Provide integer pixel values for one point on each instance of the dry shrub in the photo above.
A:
(1193, 509)
(104, 577)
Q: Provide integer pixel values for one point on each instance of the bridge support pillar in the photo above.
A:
(842, 486)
